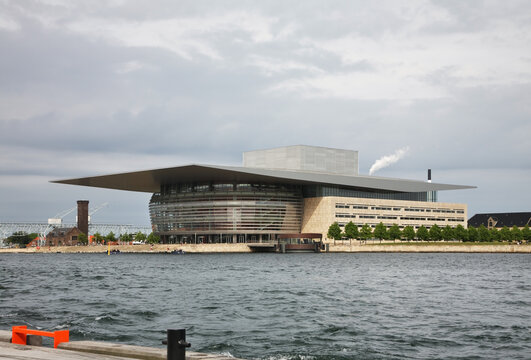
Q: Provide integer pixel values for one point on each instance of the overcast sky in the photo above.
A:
(97, 87)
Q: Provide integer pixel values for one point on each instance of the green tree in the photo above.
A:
(334, 231)
(365, 232)
(516, 233)
(526, 233)
(394, 232)
(483, 233)
(97, 238)
(435, 233)
(351, 231)
(473, 234)
(126, 237)
(422, 233)
(380, 231)
(153, 239)
(140, 236)
(448, 233)
(409, 232)
(494, 234)
(82, 239)
(461, 233)
(21, 238)
(110, 237)
(506, 234)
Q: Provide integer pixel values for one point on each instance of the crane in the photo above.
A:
(53, 222)
(96, 209)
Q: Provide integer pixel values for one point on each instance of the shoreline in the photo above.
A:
(243, 248)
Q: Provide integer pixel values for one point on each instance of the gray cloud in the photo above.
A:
(103, 87)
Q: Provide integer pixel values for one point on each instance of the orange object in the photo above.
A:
(19, 335)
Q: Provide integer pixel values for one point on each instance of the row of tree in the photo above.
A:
(127, 238)
(434, 233)
(22, 239)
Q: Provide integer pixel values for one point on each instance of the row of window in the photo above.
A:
(387, 208)
(389, 217)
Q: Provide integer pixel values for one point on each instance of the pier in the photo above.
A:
(88, 350)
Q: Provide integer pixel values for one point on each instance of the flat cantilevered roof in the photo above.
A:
(151, 180)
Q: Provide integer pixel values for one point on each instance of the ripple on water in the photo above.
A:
(269, 306)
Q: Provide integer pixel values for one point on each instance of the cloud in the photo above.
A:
(99, 87)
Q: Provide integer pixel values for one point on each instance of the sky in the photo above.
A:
(99, 87)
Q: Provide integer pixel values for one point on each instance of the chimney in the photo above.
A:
(82, 216)
(429, 175)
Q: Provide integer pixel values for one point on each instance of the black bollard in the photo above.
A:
(177, 344)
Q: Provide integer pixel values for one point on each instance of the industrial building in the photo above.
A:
(293, 191)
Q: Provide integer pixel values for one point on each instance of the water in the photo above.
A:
(281, 306)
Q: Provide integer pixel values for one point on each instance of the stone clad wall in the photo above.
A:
(319, 213)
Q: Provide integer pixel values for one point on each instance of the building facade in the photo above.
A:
(289, 190)
(500, 220)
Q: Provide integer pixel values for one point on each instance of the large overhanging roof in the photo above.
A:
(151, 180)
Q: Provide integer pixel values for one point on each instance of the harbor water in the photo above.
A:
(281, 306)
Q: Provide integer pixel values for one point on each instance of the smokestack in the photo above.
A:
(429, 175)
(82, 216)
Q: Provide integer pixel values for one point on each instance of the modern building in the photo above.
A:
(500, 220)
(293, 191)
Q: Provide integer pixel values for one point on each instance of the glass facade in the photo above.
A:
(226, 208)
(322, 190)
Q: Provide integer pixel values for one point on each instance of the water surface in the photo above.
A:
(281, 306)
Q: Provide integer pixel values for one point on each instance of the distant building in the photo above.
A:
(293, 190)
(499, 220)
(70, 236)
(63, 237)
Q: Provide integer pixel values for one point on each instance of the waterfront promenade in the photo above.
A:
(338, 247)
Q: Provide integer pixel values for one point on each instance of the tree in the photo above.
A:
(97, 238)
(435, 233)
(448, 233)
(526, 233)
(110, 237)
(473, 234)
(140, 236)
(351, 231)
(394, 232)
(494, 234)
(153, 239)
(365, 232)
(422, 233)
(126, 237)
(461, 233)
(380, 231)
(506, 234)
(21, 238)
(334, 231)
(409, 232)
(516, 233)
(82, 239)
(483, 233)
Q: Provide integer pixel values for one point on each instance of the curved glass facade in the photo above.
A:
(226, 209)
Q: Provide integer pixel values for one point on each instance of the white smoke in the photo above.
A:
(387, 160)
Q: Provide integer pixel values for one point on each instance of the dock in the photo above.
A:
(88, 350)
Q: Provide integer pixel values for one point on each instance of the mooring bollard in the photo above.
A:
(176, 344)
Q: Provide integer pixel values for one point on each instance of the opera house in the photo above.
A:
(287, 192)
